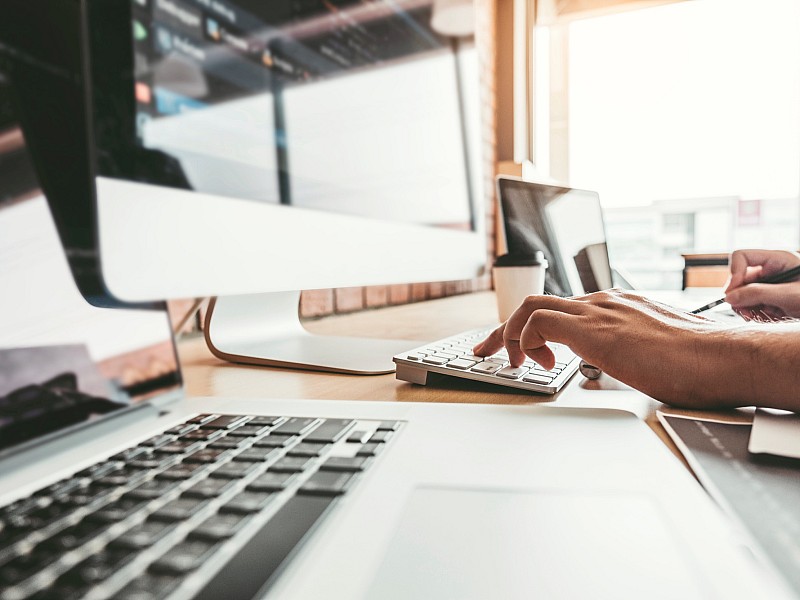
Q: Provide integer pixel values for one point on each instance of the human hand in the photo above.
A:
(667, 353)
(762, 301)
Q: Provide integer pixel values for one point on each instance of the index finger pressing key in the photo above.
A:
(492, 344)
(518, 321)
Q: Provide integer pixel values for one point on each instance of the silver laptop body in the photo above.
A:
(466, 501)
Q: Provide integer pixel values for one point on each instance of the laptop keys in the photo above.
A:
(294, 426)
(225, 422)
(245, 445)
(209, 488)
(330, 431)
(143, 535)
(247, 502)
(327, 483)
(185, 557)
(220, 526)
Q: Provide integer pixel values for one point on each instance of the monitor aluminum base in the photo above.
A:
(265, 330)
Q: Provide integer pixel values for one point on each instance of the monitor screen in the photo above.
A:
(565, 224)
(233, 135)
(351, 107)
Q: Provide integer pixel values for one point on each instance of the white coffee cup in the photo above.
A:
(516, 278)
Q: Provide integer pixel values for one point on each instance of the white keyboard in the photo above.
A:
(453, 356)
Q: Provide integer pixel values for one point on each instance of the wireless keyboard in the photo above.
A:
(453, 356)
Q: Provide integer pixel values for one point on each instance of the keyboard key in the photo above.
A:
(330, 431)
(447, 355)
(157, 441)
(206, 455)
(389, 425)
(202, 435)
(177, 447)
(271, 482)
(352, 464)
(544, 372)
(290, 464)
(227, 443)
(208, 488)
(181, 429)
(247, 502)
(461, 364)
(143, 535)
(380, 437)
(248, 431)
(326, 483)
(294, 426)
(119, 510)
(220, 527)
(264, 420)
(435, 360)
(487, 367)
(179, 471)
(145, 465)
(536, 378)
(225, 422)
(234, 470)
(417, 356)
(177, 510)
(358, 437)
(278, 441)
(201, 419)
(256, 455)
(72, 537)
(155, 488)
(308, 449)
(370, 449)
(94, 569)
(512, 372)
(183, 558)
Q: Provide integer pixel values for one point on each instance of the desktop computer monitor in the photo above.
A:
(234, 148)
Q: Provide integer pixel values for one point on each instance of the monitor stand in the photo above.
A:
(265, 329)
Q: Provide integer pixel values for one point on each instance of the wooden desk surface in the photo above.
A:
(206, 375)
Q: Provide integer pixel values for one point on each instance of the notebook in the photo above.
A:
(119, 486)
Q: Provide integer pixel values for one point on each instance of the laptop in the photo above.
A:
(114, 484)
(565, 224)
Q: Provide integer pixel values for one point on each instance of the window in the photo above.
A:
(686, 118)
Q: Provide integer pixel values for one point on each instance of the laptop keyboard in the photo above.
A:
(218, 492)
(453, 356)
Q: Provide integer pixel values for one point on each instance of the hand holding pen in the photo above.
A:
(763, 285)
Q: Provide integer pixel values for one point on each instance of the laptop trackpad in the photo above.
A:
(460, 543)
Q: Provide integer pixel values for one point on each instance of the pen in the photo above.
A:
(781, 277)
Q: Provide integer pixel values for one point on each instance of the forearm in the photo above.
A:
(751, 366)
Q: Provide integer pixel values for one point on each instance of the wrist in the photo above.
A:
(728, 362)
